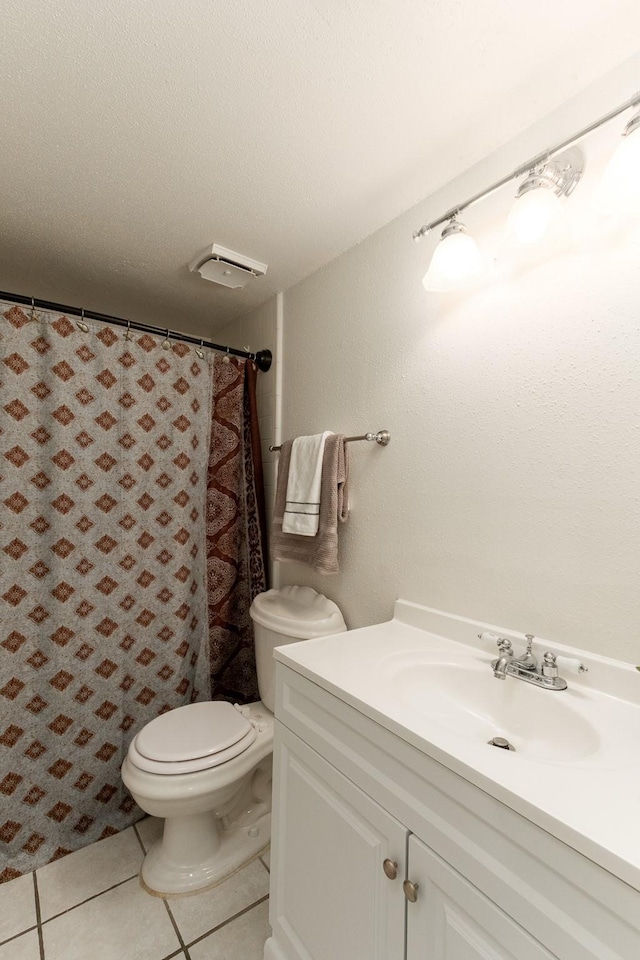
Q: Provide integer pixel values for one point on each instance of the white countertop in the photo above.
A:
(591, 803)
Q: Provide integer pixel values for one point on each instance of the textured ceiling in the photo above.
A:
(135, 132)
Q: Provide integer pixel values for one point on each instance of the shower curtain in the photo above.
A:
(235, 528)
(104, 450)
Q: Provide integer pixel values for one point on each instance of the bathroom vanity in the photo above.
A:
(399, 832)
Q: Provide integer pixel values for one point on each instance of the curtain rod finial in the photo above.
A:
(264, 359)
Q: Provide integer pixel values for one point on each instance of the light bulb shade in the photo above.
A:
(620, 185)
(456, 262)
(535, 215)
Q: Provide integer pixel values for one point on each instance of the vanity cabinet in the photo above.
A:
(452, 920)
(358, 811)
(341, 864)
(333, 898)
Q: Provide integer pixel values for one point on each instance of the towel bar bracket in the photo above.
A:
(382, 437)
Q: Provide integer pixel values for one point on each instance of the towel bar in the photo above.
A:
(382, 437)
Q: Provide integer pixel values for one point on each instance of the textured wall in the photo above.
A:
(510, 489)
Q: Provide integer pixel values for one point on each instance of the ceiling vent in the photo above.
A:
(226, 267)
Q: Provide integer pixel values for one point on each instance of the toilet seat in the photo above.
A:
(195, 737)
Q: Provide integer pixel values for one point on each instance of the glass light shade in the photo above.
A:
(456, 263)
(534, 215)
(620, 185)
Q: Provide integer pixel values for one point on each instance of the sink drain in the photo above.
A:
(501, 744)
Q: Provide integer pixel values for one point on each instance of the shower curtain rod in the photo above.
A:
(262, 359)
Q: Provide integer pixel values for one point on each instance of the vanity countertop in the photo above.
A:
(423, 676)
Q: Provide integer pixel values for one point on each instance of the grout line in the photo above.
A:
(135, 830)
(229, 920)
(175, 927)
(16, 935)
(38, 915)
(177, 953)
(264, 865)
(82, 902)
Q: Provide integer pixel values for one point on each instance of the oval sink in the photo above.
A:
(470, 702)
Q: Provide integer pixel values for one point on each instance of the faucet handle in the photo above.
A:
(505, 647)
(491, 638)
(571, 664)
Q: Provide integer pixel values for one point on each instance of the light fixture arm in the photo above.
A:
(633, 124)
(561, 174)
(542, 159)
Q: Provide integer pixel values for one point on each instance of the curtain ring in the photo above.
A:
(80, 324)
(33, 309)
(128, 335)
(225, 359)
(199, 350)
(166, 345)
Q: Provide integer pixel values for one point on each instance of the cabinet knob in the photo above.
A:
(410, 891)
(390, 868)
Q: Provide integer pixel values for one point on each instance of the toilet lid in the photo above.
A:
(195, 731)
(174, 767)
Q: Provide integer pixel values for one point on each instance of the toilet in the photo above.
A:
(205, 768)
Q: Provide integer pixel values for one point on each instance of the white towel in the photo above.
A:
(302, 509)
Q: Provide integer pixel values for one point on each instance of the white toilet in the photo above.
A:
(206, 767)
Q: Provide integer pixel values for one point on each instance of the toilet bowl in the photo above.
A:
(205, 768)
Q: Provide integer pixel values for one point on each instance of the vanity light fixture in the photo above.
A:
(456, 260)
(549, 176)
(537, 211)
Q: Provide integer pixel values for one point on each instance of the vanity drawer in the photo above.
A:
(574, 907)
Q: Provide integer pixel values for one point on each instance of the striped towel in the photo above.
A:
(302, 508)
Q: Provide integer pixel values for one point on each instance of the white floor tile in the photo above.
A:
(67, 882)
(243, 939)
(150, 830)
(17, 906)
(122, 923)
(266, 857)
(201, 912)
(26, 947)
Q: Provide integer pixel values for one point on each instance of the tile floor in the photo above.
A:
(90, 904)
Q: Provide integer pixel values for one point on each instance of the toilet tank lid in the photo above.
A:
(297, 612)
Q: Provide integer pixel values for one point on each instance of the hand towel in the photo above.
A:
(302, 508)
(321, 551)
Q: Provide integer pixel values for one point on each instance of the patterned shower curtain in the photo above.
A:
(235, 528)
(104, 445)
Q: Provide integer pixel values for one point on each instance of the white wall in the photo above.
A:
(510, 489)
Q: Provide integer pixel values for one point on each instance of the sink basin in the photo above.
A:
(468, 701)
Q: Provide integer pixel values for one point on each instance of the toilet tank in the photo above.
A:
(286, 616)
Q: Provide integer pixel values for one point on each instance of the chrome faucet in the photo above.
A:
(526, 667)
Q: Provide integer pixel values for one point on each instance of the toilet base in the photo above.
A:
(205, 854)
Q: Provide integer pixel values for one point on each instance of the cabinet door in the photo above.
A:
(452, 920)
(330, 896)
